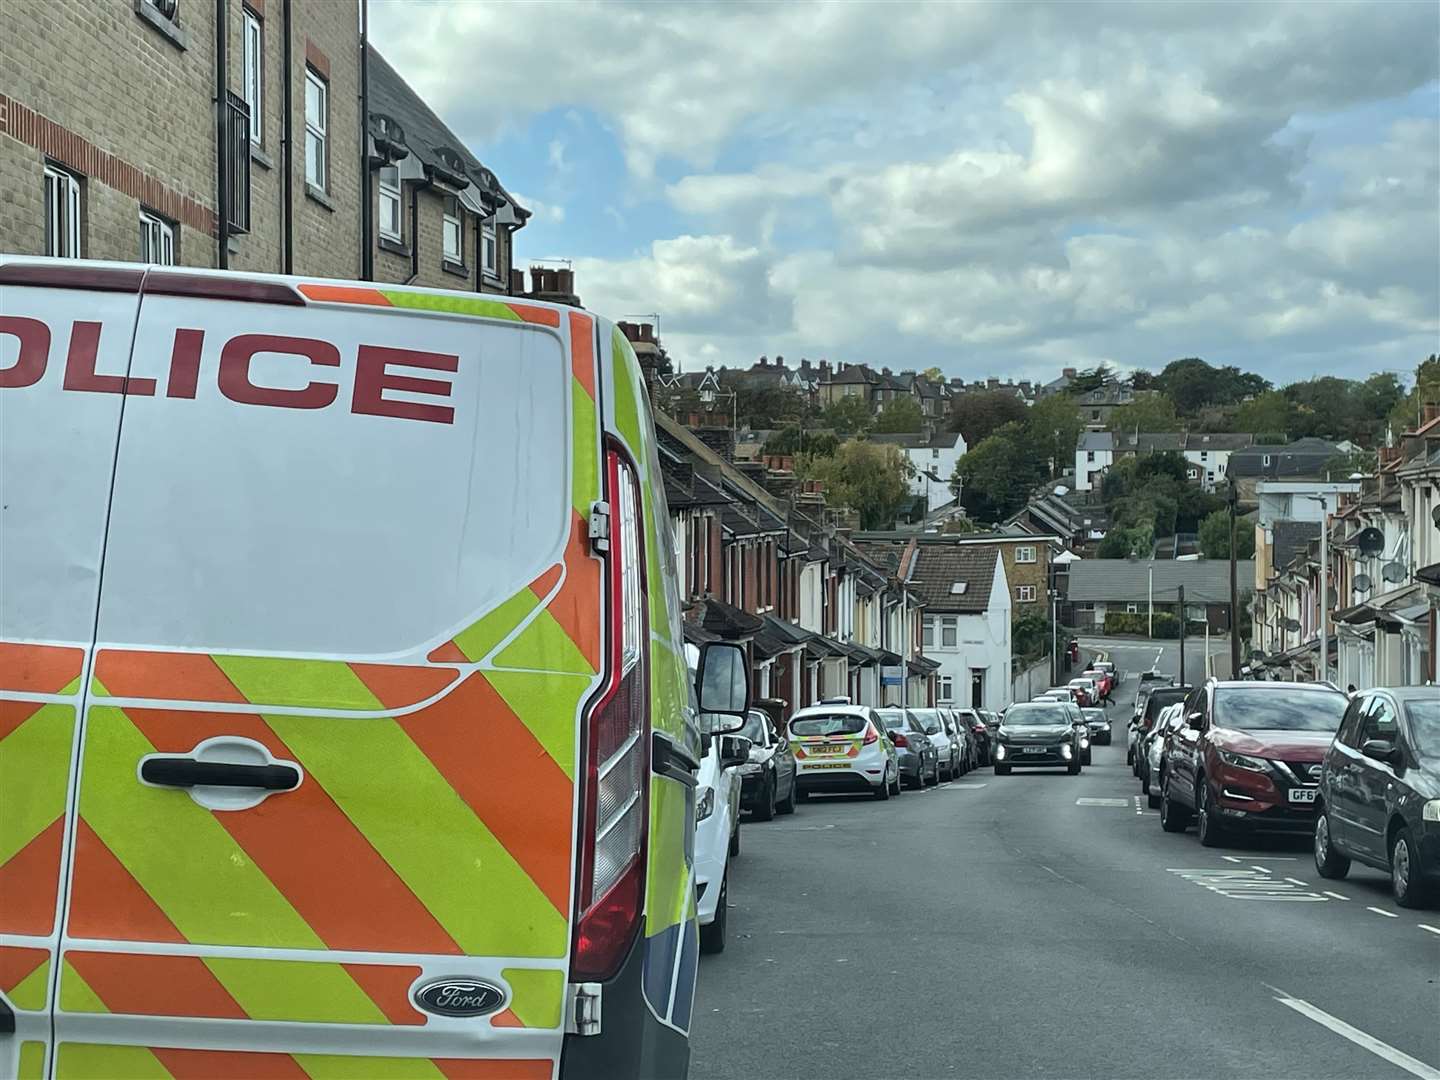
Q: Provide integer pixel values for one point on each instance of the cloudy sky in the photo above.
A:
(995, 189)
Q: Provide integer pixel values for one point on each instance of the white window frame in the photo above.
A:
(489, 250)
(1025, 594)
(317, 128)
(62, 213)
(391, 196)
(946, 688)
(949, 632)
(1267, 465)
(253, 65)
(157, 240)
(1024, 554)
(452, 223)
(1132, 609)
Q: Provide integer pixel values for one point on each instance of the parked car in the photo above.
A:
(948, 748)
(960, 731)
(717, 833)
(768, 778)
(1108, 666)
(1086, 691)
(1082, 730)
(982, 724)
(1248, 757)
(1037, 733)
(1152, 751)
(1099, 722)
(1158, 699)
(1104, 683)
(843, 748)
(1379, 798)
(916, 756)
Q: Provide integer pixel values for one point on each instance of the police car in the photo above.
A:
(843, 747)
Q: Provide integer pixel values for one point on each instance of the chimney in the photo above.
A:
(805, 365)
(764, 361)
(825, 369)
(517, 282)
(885, 371)
(779, 360)
(1068, 372)
(992, 382)
(1429, 411)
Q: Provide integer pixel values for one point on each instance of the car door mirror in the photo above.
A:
(1196, 720)
(722, 682)
(1381, 750)
(734, 750)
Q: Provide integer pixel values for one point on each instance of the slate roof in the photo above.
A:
(425, 133)
(1289, 539)
(727, 620)
(1304, 457)
(1096, 440)
(937, 567)
(1110, 581)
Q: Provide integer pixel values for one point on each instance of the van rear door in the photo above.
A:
(326, 812)
(64, 346)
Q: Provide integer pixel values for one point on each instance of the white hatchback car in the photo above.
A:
(843, 747)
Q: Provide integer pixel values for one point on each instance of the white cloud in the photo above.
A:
(553, 213)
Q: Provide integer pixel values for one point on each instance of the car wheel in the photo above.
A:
(787, 805)
(1145, 783)
(1329, 863)
(895, 786)
(1085, 758)
(1172, 818)
(1406, 885)
(1129, 755)
(917, 782)
(765, 808)
(934, 773)
(735, 842)
(712, 937)
(1002, 769)
(801, 795)
(1207, 821)
(1152, 799)
(881, 790)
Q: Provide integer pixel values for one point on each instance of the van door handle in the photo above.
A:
(188, 772)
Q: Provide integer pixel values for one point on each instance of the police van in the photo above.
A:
(345, 723)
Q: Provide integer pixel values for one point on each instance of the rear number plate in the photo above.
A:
(823, 748)
(1304, 795)
(1035, 750)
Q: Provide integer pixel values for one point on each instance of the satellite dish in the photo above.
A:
(1371, 542)
(1393, 572)
(1362, 583)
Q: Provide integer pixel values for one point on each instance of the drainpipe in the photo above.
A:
(222, 149)
(415, 229)
(287, 147)
(367, 211)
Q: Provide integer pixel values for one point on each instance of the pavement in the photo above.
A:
(1042, 925)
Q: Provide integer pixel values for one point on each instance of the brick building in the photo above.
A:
(112, 146)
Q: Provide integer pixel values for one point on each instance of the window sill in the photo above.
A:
(458, 269)
(260, 157)
(395, 247)
(313, 192)
(166, 28)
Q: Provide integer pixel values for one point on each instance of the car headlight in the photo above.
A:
(705, 804)
(1065, 750)
(1000, 752)
(1244, 761)
(1430, 811)
(1084, 742)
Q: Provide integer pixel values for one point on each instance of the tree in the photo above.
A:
(1030, 636)
(977, 415)
(1055, 426)
(1092, 379)
(1137, 541)
(1149, 412)
(900, 417)
(1265, 414)
(868, 478)
(934, 374)
(996, 476)
(1334, 408)
(1215, 537)
(1407, 413)
(796, 440)
(768, 406)
(1342, 466)
(1193, 384)
(849, 415)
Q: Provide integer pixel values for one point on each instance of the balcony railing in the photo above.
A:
(237, 159)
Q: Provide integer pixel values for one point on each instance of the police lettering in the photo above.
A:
(378, 370)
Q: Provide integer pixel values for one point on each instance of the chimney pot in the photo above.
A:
(517, 282)
(1069, 372)
(567, 281)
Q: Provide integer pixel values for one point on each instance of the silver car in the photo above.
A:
(948, 748)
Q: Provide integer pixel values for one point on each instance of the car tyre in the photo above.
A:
(1152, 799)
(1207, 822)
(1073, 768)
(1172, 818)
(1329, 863)
(1406, 885)
(801, 794)
(1085, 758)
(735, 842)
(787, 806)
(881, 790)
(1145, 783)
(765, 809)
(934, 774)
(712, 937)
(896, 787)
(1002, 769)
(918, 782)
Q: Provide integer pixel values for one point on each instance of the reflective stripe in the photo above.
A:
(547, 706)
(34, 773)
(324, 684)
(477, 640)
(38, 669)
(537, 996)
(85, 1061)
(88, 1061)
(585, 434)
(32, 1061)
(543, 646)
(24, 976)
(295, 990)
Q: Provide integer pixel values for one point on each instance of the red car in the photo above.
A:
(1248, 758)
(1104, 681)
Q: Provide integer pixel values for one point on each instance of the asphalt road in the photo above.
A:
(998, 927)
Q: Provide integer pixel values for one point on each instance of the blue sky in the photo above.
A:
(994, 189)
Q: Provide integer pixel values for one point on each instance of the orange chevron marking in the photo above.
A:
(16, 963)
(38, 669)
(488, 755)
(174, 676)
(449, 653)
(397, 686)
(29, 882)
(155, 985)
(582, 351)
(106, 902)
(228, 1065)
(543, 315)
(542, 585)
(389, 987)
(576, 607)
(15, 713)
(494, 1069)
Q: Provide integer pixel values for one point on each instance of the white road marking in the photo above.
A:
(1266, 869)
(1332, 895)
(1272, 858)
(1423, 926)
(962, 787)
(1377, 910)
(1232, 858)
(1293, 880)
(1108, 802)
(1414, 1066)
(1247, 884)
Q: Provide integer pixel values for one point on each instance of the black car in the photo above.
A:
(1155, 702)
(1379, 800)
(1099, 723)
(1037, 733)
(767, 780)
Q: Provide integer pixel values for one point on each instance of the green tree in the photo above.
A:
(934, 374)
(1215, 537)
(1122, 543)
(1148, 412)
(901, 416)
(1343, 466)
(1407, 413)
(1265, 414)
(1055, 426)
(1091, 379)
(797, 440)
(978, 415)
(868, 478)
(1030, 636)
(849, 415)
(997, 475)
(768, 406)
(1193, 384)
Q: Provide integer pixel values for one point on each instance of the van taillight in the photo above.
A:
(615, 772)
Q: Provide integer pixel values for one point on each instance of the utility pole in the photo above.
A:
(1182, 635)
(1234, 592)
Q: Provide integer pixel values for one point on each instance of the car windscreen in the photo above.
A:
(1163, 697)
(1424, 717)
(929, 720)
(1093, 714)
(1262, 709)
(754, 728)
(893, 719)
(828, 724)
(1031, 715)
